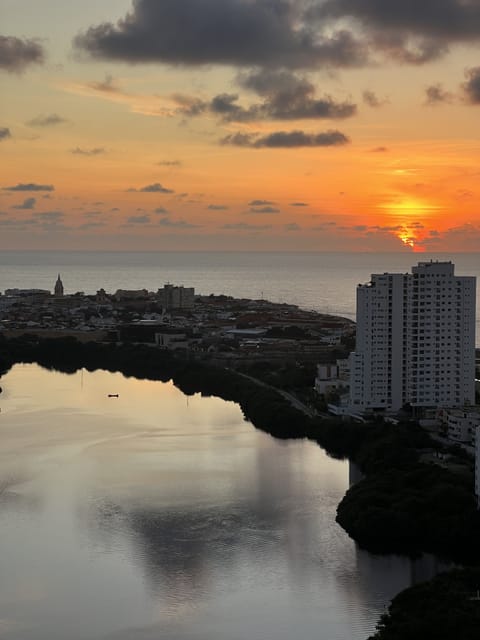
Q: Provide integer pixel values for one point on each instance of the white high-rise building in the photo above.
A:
(415, 340)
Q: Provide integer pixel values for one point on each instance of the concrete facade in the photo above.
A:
(173, 297)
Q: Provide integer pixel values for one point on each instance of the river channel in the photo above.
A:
(157, 516)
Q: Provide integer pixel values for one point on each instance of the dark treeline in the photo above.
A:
(446, 608)
(401, 505)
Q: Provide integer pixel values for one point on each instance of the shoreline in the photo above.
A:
(402, 506)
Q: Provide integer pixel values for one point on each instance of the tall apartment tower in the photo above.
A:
(415, 340)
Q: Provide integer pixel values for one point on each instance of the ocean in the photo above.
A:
(325, 282)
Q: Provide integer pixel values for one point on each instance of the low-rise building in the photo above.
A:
(461, 424)
(171, 341)
(131, 294)
(332, 377)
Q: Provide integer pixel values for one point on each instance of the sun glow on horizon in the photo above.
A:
(413, 207)
(411, 216)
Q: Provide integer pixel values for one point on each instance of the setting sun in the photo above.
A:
(411, 208)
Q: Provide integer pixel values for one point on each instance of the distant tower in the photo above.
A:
(58, 287)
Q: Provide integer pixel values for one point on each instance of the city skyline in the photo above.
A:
(326, 125)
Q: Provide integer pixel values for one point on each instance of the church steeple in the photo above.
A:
(58, 287)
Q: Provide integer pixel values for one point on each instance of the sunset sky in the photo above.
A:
(294, 125)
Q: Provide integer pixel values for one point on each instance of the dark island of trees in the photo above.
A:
(445, 608)
(403, 505)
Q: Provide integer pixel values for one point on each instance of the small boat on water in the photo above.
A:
(113, 395)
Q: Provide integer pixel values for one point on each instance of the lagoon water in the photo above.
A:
(325, 282)
(155, 516)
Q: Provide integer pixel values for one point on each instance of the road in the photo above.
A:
(294, 401)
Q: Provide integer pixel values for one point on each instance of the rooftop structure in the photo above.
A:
(58, 291)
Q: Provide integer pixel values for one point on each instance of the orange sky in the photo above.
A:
(208, 124)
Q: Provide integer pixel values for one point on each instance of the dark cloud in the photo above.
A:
(91, 225)
(50, 217)
(152, 188)
(224, 105)
(30, 186)
(243, 226)
(47, 120)
(240, 139)
(325, 226)
(161, 210)
(266, 209)
(189, 106)
(443, 19)
(217, 207)
(109, 85)
(292, 226)
(408, 31)
(145, 219)
(5, 133)
(436, 94)
(286, 97)
(372, 100)
(289, 96)
(286, 139)
(462, 238)
(17, 54)
(406, 50)
(299, 204)
(12, 222)
(273, 33)
(28, 203)
(260, 203)
(180, 224)
(379, 150)
(88, 152)
(472, 85)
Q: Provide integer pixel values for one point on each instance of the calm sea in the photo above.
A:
(325, 282)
